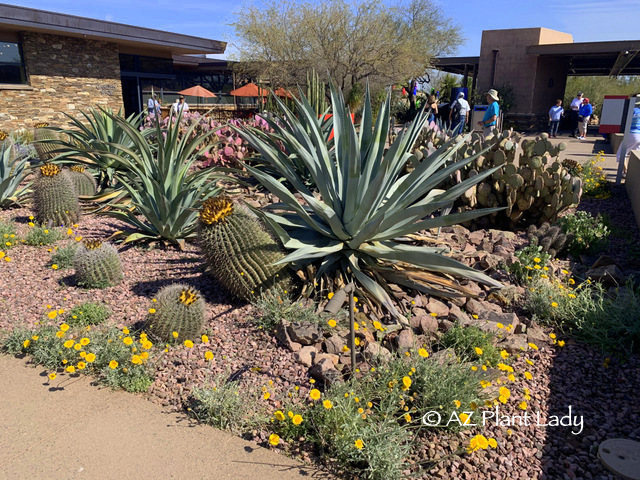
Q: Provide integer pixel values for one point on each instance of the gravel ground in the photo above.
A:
(606, 397)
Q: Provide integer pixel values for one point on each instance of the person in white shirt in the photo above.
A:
(180, 105)
(459, 114)
(576, 103)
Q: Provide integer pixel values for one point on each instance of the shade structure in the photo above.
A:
(250, 90)
(197, 91)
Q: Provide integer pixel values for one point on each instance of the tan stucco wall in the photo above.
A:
(526, 73)
(65, 75)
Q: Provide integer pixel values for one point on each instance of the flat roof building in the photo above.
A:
(52, 64)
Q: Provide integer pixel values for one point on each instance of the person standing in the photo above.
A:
(459, 114)
(180, 106)
(576, 103)
(584, 115)
(433, 105)
(490, 119)
(555, 114)
(151, 104)
(632, 140)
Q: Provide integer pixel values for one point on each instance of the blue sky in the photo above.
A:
(586, 20)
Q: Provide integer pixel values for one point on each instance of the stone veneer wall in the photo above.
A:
(66, 74)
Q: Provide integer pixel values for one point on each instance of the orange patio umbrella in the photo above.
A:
(250, 90)
(281, 92)
(197, 91)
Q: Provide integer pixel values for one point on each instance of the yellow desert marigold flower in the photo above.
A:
(492, 443)
(528, 376)
(274, 439)
(504, 354)
(127, 340)
(54, 266)
(59, 334)
(175, 334)
(279, 415)
(457, 403)
(315, 394)
(423, 353)
(204, 339)
(327, 404)
(26, 343)
(533, 345)
(144, 355)
(359, 444)
(407, 417)
(84, 341)
(479, 442)
(90, 357)
(332, 323)
(406, 382)
(330, 296)
(152, 310)
(478, 351)
(64, 327)
(52, 376)
(136, 360)
(433, 314)
(53, 314)
(77, 346)
(188, 343)
(71, 369)
(68, 344)
(125, 331)
(554, 304)
(572, 281)
(377, 325)
(537, 260)
(522, 405)
(208, 355)
(146, 344)
(537, 267)
(561, 343)
(266, 396)
(81, 365)
(113, 364)
(297, 419)
(464, 418)
(499, 325)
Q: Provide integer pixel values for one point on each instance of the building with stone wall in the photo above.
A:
(53, 64)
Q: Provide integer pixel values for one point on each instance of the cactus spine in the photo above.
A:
(83, 181)
(97, 265)
(240, 253)
(178, 308)
(55, 197)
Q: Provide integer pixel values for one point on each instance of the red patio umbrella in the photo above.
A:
(197, 91)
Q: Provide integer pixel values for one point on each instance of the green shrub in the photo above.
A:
(383, 409)
(275, 306)
(119, 359)
(585, 310)
(63, 257)
(532, 262)
(8, 238)
(39, 235)
(88, 313)
(222, 405)
(465, 340)
(589, 235)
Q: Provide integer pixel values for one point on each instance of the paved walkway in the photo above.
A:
(583, 150)
(84, 431)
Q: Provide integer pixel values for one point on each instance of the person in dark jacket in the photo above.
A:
(584, 115)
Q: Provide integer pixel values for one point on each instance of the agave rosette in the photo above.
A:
(13, 170)
(365, 201)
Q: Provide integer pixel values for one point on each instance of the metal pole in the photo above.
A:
(352, 332)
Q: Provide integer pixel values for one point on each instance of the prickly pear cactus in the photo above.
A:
(44, 149)
(532, 185)
(178, 308)
(83, 181)
(239, 252)
(55, 197)
(97, 265)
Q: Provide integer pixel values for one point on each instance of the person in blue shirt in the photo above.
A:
(490, 119)
(555, 114)
(584, 114)
(631, 140)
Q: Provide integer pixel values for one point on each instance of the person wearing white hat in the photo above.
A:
(488, 122)
(632, 140)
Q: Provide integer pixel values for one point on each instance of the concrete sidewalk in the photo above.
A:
(84, 431)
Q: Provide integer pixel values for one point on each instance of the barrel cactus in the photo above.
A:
(97, 265)
(55, 197)
(177, 314)
(41, 137)
(83, 180)
(239, 251)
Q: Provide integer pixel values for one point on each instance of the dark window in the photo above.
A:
(11, 64)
